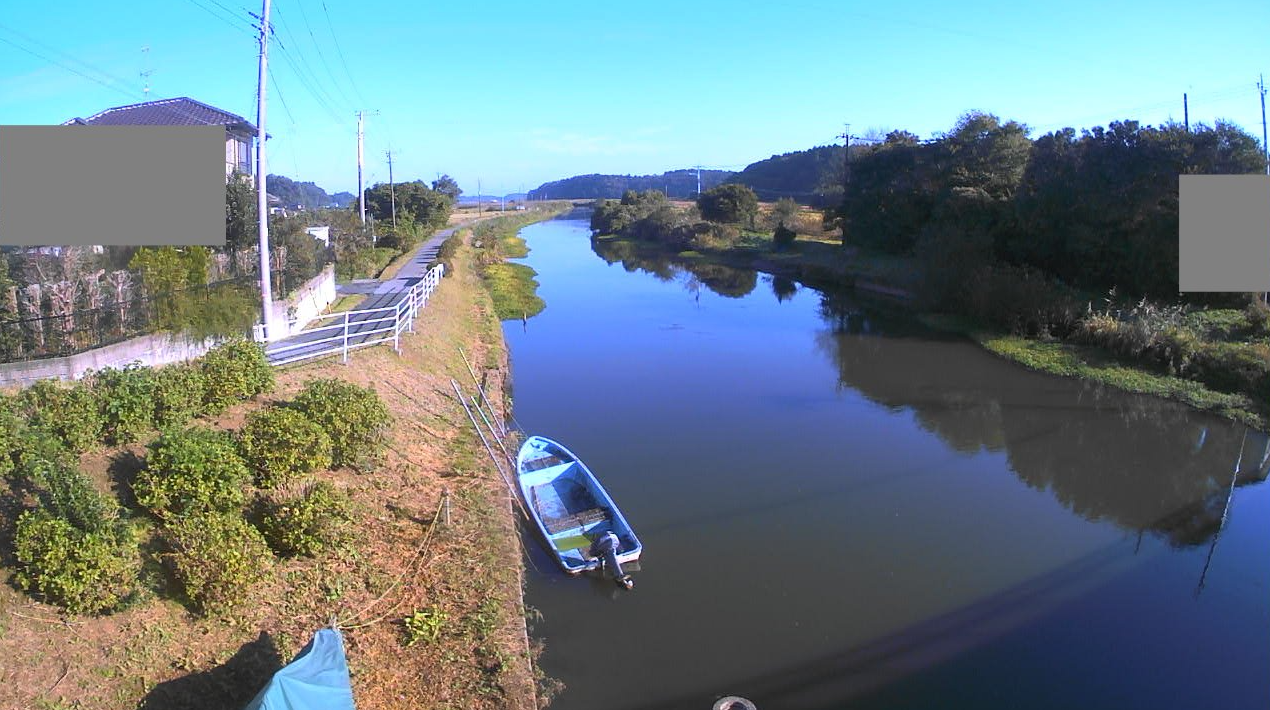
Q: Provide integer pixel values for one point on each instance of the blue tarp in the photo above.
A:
(316, 680)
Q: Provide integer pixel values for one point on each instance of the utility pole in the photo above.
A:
(846, 157)
(478, 197)
(1265, 147)
(1261, 87)
(392, 191)
(1186, 114)
(145, 71)
(361, 186)
(262, 195)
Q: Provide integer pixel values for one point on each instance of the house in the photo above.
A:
(240, 135)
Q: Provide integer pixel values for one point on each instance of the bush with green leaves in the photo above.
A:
(82, 572)
(354, 417)
(178, 394)
(280, 444)
(233, 372)
(315, 519)
(783, 238)
(10, 433)
(190, 471)
(126, 397)
(70, 412)
(66, 492)
(216, 558)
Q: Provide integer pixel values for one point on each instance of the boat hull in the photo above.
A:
(569, 506)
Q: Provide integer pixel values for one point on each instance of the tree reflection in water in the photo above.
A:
(633, 256)
(1143, 463)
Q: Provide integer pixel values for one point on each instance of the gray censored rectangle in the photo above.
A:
(1224, 233)
(112, 185)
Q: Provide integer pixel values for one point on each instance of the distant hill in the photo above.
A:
(811, 176)
(676, 184)
(305, 195)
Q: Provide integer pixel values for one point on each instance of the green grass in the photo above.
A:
(1095, 364)
(513, 288)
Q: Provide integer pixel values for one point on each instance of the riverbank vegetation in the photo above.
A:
(1060, 252)
(513, 287)
(171, 537)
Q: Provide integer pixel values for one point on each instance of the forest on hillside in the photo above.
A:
(676, 184)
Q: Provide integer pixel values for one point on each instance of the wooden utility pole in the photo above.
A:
(262, 194)
(1186, 113)
(392, 191)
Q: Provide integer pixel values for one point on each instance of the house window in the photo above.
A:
(244, 157)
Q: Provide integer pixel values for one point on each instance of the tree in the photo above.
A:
(241, 230)
(447, 186)
(729, 203)
(424, 205)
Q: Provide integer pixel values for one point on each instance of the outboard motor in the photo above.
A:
(606, 547)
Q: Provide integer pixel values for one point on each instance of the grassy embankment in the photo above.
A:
(512, 286)
(1182, 358)
(458, 584)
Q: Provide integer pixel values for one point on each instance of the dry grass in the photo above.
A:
(157, 654)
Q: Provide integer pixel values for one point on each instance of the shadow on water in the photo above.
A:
(833, 680)
(1140, 462)
(228, 686)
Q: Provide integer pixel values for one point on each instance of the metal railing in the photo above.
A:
(350, 330)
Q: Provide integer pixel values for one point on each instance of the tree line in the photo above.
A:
(1098, 210)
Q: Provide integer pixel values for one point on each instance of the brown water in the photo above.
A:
(839, 509)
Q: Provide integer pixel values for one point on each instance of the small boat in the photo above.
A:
(573, 511)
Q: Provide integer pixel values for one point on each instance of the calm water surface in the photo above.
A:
(839, 509)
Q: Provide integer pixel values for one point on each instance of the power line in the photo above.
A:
(246, 26)
(300, 76)
(339, 51)
(301, 66)
(64, 65)
(321, 56)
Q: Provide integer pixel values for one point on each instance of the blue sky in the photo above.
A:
(516, 94)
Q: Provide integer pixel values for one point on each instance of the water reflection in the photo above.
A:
(1142, 463)
(634, 257)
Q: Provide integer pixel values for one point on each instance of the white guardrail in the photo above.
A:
(350, 330)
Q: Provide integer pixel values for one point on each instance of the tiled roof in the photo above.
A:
(180, 111)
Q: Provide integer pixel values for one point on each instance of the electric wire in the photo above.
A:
(340, 52)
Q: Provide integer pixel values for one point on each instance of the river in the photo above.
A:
(839, 508)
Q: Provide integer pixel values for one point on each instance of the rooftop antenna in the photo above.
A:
(145, 71)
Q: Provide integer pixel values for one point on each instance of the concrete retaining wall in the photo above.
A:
(302, 306)
(291, 316)
(156, 349)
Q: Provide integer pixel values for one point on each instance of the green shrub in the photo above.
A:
(316, 519)
(216, 558)
(447, 251)
(354, 417)
(279, 444)
(67, 493)
(783, 238)
(1258, 315)
(1235, 367)
(233, 372)
(70, 413)
(82, 572)
(178, 394)
(34, 447)
(126, 398)
(10, 435)
(190, 471)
